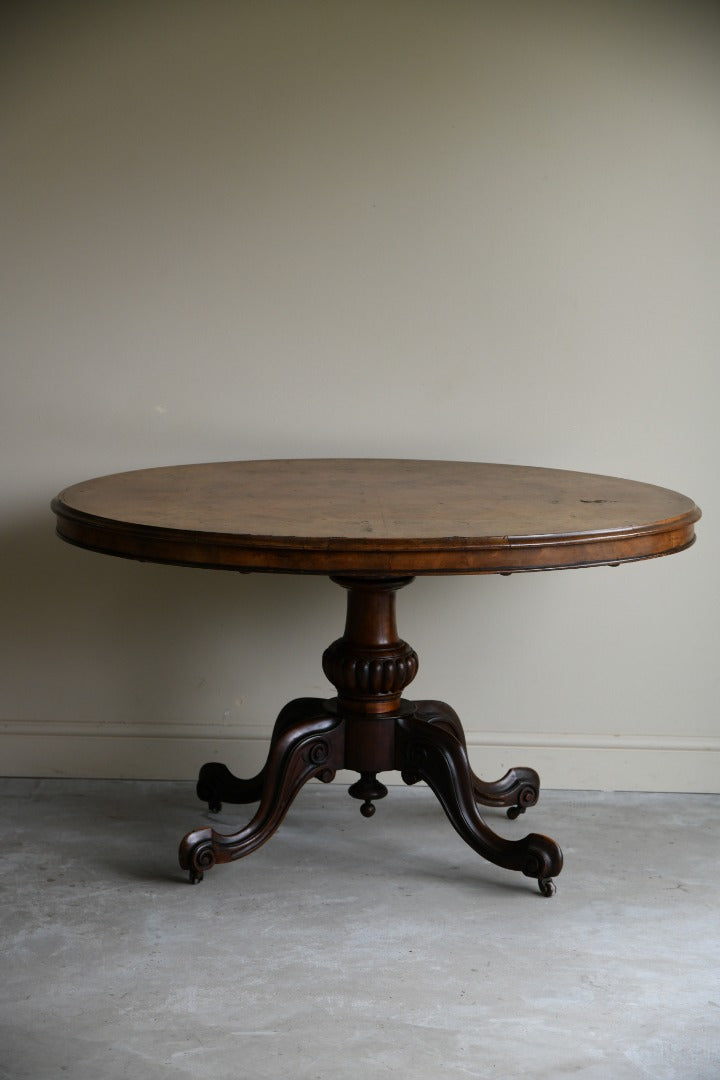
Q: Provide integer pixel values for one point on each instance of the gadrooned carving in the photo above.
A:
(356, 673)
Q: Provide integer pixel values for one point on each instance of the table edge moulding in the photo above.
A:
(372, 525)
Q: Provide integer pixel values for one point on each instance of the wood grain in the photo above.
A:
(374, 517)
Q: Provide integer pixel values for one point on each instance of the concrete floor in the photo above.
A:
(353, 949)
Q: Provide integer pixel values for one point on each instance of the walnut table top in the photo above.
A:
(374, 517)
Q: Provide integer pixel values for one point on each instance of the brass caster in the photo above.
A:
(547, 886)
(196, 854)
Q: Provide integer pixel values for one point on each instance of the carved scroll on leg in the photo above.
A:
(310, 747)
(217, 784)
(431, 753)
(518, 789)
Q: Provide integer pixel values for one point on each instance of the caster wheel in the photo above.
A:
(547, 886)
(195, 876)
(215, 807)
(515, 812)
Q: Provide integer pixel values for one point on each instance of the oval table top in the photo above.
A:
(374, 517)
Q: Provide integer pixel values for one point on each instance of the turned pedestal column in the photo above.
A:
(370, 666)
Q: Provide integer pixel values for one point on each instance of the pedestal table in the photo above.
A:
(373, 525)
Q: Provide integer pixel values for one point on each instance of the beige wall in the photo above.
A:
(392, 227)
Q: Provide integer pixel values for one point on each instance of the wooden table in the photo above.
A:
(372, 526)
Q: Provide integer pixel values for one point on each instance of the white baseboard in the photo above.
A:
(175, 752)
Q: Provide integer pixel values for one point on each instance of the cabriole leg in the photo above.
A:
(217, 785)
(518, 789)
(431, 753)
(309, 747)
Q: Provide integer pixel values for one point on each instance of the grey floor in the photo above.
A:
(353, 949)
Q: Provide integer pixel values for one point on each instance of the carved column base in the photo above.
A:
(370, 728)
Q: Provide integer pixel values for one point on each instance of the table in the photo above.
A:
(373, 525)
